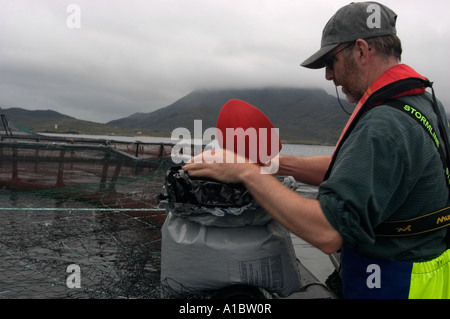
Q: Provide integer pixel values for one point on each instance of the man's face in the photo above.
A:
(347, 73)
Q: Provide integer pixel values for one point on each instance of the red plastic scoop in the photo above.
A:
(247, 131)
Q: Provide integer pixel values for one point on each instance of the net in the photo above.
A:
(80, 219)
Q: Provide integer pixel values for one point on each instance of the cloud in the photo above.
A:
(138, 56)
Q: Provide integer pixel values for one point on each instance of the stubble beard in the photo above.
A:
(352, 82)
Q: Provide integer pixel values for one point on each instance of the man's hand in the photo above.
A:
(222, 165)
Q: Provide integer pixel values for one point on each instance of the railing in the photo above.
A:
(47, 162)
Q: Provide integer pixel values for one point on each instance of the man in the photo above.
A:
(389, 165)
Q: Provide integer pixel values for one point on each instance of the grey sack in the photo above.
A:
(209, 246)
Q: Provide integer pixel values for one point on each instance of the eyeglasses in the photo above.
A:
(329, 61)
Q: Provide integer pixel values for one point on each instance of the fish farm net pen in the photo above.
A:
(80, 218)
(113, 237)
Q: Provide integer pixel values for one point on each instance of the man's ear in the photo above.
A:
(362, 53)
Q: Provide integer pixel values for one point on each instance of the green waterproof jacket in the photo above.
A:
(387, 169)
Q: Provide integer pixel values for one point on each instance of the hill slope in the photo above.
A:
(302, 115)
(45, 121)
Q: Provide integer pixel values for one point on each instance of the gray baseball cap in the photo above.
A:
(358, 20)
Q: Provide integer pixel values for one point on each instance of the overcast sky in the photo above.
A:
(138, 56)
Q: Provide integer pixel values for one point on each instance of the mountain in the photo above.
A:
(45, 121)
(302, 115)
(308, 116)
